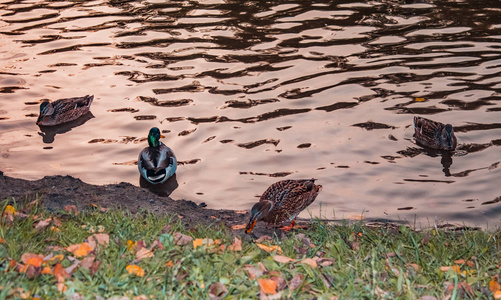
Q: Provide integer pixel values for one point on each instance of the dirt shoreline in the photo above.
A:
(58, 191)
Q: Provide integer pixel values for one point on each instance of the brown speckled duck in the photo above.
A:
(63, 110)
(434, 134)
(283, 201)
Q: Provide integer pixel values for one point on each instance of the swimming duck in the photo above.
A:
(283, 201)
(434, 134)
(63, 110)
(157, 162)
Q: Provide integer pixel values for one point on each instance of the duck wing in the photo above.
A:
(427, 131)
(69, 109)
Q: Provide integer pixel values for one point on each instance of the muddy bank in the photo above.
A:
(58, 191)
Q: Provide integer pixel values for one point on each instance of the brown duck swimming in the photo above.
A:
(63, 110)
(434, 134)
(283, 201)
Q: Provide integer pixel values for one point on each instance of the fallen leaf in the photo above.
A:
(296, 282)
(156, 244)
(325, 262)
(197, 243)
(71, 209)
(144, 253)
(310, 262)
(131, 244)
(100, 238)
(445, 268)
(47, 270)
(497, 295)
(494, 286)
(60, 273)
(236, 246)
(43, 223)
(253, 271)
(79, 250)
(264, 238)
(9, 210)
(61, 287)
(270, 248)
(87, 262)
(140, 297)
(2, 241)
(181, 239)
(267, 286)
(242, 212)
(51, 258)
(415, 266)
(419, 99)
(459, 261)
(32, 271)
(238, 227)
(169, 264)
(32, 259)
(217, 290)
(282, 259)
(135, 270)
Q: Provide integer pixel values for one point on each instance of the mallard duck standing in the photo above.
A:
(434, 134)
(283, 201)
(157, 162)
(63, 110)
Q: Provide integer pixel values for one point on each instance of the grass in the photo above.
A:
(353, 261)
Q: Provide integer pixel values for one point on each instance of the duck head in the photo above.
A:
(258, 212)
(448, 135)
(46, 109)
(154, 137)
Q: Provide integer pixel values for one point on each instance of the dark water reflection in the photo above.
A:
(250, 92)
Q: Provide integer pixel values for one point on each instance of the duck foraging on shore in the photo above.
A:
(157, 162)
(434, 134)
(63, 110)
(283, 201)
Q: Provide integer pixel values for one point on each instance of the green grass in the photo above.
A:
(360, 262)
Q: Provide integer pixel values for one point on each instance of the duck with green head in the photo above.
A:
(283, 201)
(63, 110)
(157, 162)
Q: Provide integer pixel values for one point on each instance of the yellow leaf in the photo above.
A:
(267, 286)
(497, 295)
(131, 244)
(270, 248)
(419, 99)
(9, 210)
(238, 227)
(494, 286)
(135, 270)
(79, 250)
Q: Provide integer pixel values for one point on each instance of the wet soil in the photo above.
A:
(58, 191)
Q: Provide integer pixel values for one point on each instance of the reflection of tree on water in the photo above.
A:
(163, 189)
(48, 133)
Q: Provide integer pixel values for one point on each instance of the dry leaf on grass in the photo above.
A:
(131, 244)
(60, 273)
(61, 287)
(282, 259)
(494, 286)
(253, 271)
(217, 291)
(135, 270)
(99, 238)
(310, 262)
(238, 227)
(87, 262)
(47, 270)
(144, 253)
(2, 241)
(9, 210)
(497, 295)
(236, 246)
(169, 264)
(32, 259)
(71, 209)
(80, 250)
(270, 248)
(296, 282)
(181, 239)
(43, 223)
(264, 238)
(267, 286)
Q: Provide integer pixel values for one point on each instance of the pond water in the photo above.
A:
(251, 92)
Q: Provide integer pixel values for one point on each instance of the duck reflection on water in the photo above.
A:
(48, 133)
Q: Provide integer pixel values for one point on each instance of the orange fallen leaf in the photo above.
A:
(32, 259)
(497, 295)
(267, 286)
(197, 243)
(61, 287)
(9, 210)
(242, 212)
(79, 250)
(131, 244)
(169, 264)
(310, 262)
(71, 209)
(236, 246)
(60, 273)
(419, 99)
(456, 269)
(270, 248)
(459, 261)
(282, 259)
(238, 227)
(144, 253)
(135, 270)
(51, 258)
(2, 241)
(46, 270)
(494, 286)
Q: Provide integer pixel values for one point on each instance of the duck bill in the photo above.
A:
(250, 226)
